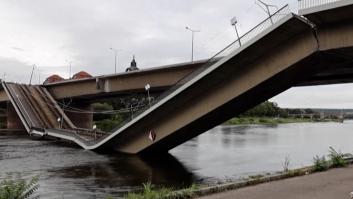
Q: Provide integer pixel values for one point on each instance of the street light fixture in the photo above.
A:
(192, 41)
(59, 122)
(147, 88)
(116, 54)
(95, 131)
(234, 22)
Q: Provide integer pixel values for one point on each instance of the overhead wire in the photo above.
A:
(82, 111)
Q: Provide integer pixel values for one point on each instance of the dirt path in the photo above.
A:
(333, 184)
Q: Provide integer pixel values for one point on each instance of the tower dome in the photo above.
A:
(133, 65)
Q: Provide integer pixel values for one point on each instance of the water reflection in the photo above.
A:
(237, 151)
(225, 152)
(74, 173)
(131, 171)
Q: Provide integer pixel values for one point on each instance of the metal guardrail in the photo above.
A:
(262, 26)
(305, 4)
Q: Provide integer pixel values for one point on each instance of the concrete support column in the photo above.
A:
(13, 121)
(81, 120)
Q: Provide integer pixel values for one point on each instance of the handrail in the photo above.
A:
(26, 117)
(263, 25)
(305, 4)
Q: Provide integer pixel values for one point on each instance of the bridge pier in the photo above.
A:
(80, 118)
(13, 120)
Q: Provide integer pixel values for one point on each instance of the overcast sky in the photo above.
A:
(50, 34)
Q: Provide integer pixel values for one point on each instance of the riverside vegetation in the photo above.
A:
(12, 188)
(337, 159)
(270, 113)
(151, 192)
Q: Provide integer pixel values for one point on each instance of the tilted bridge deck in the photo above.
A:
(41, 115)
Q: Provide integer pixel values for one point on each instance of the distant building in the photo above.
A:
(133, 65)
(53, 78)
(81, 75)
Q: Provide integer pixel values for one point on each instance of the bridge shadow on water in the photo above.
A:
(68, 172)
(123, 173)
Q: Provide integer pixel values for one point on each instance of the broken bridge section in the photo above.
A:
(41, 115)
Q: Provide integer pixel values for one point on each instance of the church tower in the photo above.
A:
(133, 65)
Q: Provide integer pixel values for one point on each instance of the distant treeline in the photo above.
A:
(123, 112)
(271, 109)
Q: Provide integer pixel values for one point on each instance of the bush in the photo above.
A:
(320, 163)
(19, 189)
(263, 120)
(286, 164)
(109, 124)
(149, 192)
(337, 158)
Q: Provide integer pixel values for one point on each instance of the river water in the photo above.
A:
(221, 154)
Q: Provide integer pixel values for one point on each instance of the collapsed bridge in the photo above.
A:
(283, 51)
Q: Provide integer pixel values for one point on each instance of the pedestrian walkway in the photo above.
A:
(333, 184)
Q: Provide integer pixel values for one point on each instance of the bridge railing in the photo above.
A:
(305, 4)
(268, 22)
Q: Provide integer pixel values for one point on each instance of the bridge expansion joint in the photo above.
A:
(313, 26)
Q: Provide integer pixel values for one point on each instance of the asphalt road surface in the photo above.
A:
(333, 184)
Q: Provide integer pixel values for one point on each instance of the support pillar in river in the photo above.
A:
(81, 116)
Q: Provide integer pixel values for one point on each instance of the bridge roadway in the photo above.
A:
(160, 79)
(291, 52)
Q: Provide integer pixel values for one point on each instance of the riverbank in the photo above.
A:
(335, 183)
(273, 121)
(305, 183)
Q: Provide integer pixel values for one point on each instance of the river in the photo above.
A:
(221, 154)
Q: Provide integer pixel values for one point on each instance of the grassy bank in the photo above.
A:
(336, 159)
(272, 120)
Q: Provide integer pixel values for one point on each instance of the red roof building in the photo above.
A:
(81, 75)
(52, 79)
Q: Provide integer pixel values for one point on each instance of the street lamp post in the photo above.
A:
(115, 55)
(59, 122)
(30, 80)
(39, 77)
(147, 88)
(69, 62)
(234, 22)
(192, 41)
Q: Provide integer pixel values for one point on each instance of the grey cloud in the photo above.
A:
(18, 49)
(14, 70)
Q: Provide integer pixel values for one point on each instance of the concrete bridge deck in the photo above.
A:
(160, 78)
